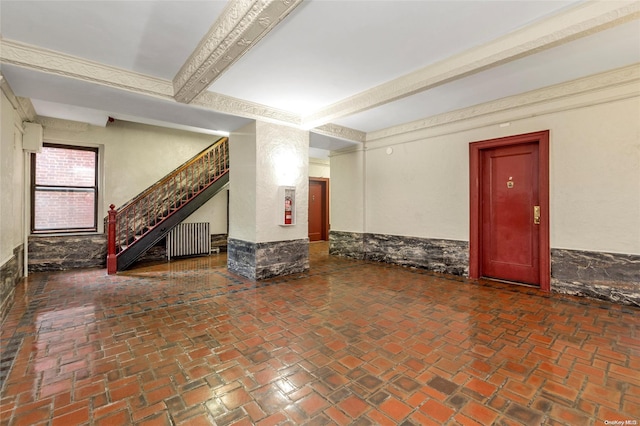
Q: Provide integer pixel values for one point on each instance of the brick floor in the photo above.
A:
(350, 342)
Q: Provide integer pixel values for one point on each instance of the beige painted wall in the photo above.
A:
(265, 156)
(421, 189)
(319, 168)
(11, 180)
(213, 211)
(347, 190)
(135, 156)
(282, 160)
(242, 183)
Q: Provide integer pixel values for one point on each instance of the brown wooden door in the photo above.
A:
(510, 230)
(317, 210)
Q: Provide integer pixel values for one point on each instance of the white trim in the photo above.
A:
(619, 84)
(242, 24)
(586, 19)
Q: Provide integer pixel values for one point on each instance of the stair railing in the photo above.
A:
(161, 200)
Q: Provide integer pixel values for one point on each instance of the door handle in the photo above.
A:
(536, 215)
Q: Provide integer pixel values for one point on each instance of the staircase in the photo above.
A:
(139, 224)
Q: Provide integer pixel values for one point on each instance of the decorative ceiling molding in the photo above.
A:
(26, 110)
(23, 106)
(49, 123)
(621, 76)
(583, 20)
(70, 66)
(341, 132)
(242, 108)
(240, 26)
(40, 59)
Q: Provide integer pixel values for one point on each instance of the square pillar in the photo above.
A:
(264, 158)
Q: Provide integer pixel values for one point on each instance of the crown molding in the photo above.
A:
(242, 108)
(318, 161)
(240, 26)
(582, 20)
(49, 123)
(347, 150)
(341, 132)
(71, 66)
(23, 106)
(57, 63)
(26, 110)
(619, 77)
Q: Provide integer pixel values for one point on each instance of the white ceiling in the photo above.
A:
(323, 57)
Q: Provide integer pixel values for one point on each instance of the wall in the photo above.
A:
(11, 201)
(594, 179)
(319, 168)
(417, 195)
(132, 157)
(347, 190)
(242, 184)
(282, 160)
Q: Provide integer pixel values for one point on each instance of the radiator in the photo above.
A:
(189, 239)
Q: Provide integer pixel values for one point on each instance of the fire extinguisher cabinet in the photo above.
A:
(287, 202)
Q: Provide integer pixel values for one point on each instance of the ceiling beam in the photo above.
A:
(583, 20)
(49, 61)
(242, 24)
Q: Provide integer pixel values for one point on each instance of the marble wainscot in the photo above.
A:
(57, 253)
(258, 261)
(11, 272)
(346, 244)
(607, 276)
(446, 256)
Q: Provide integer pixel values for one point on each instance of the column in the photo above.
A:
(267, 160)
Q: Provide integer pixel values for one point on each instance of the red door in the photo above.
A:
(510, 219)
(316, 210)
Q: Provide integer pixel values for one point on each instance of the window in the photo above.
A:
(64, 189)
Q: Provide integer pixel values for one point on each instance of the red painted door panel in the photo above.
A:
(316, 211)
(509, 193)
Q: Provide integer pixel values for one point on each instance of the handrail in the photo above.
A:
(161, 200)
(171, 173)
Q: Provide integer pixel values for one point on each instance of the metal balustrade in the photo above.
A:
(131, 223)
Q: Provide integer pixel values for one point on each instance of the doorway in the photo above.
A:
(318, 209)
(509, 201)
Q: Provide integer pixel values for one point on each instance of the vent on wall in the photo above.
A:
(189, 239)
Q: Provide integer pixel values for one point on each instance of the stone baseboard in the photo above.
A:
(219, 242)
(10, 275)
(612, 277)
(346, 244)
(447, 256)
(62, 252)
(258, 261)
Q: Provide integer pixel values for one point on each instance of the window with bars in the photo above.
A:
(64, 189)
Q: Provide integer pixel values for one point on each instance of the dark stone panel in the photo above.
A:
(241, 258)
(346, 244)
(219, 241)
(10, 274)
(607, 276)
(157, 253)
(270, 259)
(56, 253)
(282, 258)
(446, 256)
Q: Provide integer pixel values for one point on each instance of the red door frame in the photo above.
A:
(325, 213)
(475, 192)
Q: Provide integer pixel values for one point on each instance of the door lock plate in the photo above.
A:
(536, 215)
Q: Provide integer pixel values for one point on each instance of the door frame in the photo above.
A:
(325, 194)
(475, 202)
